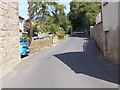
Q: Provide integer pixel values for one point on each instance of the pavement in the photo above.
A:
(74, 63)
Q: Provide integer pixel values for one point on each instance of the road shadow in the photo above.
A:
(88, 62)
(78, 34)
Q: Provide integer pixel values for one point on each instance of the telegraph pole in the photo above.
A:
(30, 19)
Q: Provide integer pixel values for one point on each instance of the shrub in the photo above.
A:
(61, 36)
(24, 35)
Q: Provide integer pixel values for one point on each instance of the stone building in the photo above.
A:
(9, 36)
(107, 32)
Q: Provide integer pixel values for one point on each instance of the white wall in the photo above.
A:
(21, 25)
(110, 24)
(110, 16)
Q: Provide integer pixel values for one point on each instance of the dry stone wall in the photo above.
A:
(9, 36)
(42, 44)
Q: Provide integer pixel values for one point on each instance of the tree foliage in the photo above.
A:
(49, 17)
(82, 14)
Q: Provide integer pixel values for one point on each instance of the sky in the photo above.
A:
(23, 7)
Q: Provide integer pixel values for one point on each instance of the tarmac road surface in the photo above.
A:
(74, 63)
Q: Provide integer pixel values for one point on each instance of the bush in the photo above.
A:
(24, 35)
(61, 36)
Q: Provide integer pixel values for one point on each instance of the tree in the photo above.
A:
(49, 17)
(82, 14)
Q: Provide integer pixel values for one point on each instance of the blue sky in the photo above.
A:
(23, 8)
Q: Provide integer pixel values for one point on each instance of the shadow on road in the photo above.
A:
(78, 34)
(88, 62)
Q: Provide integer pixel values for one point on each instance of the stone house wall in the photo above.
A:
(9, 36)
(107, 34)
(110, 28)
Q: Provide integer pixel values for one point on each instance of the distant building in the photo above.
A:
(21, 24)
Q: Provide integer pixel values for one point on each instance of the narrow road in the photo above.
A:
(73, 63)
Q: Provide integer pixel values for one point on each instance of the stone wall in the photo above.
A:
(55, 40)
(9, 36)
(87, 32)
(42, 44)
(39, 45)
(107, 41)
(97, 34)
